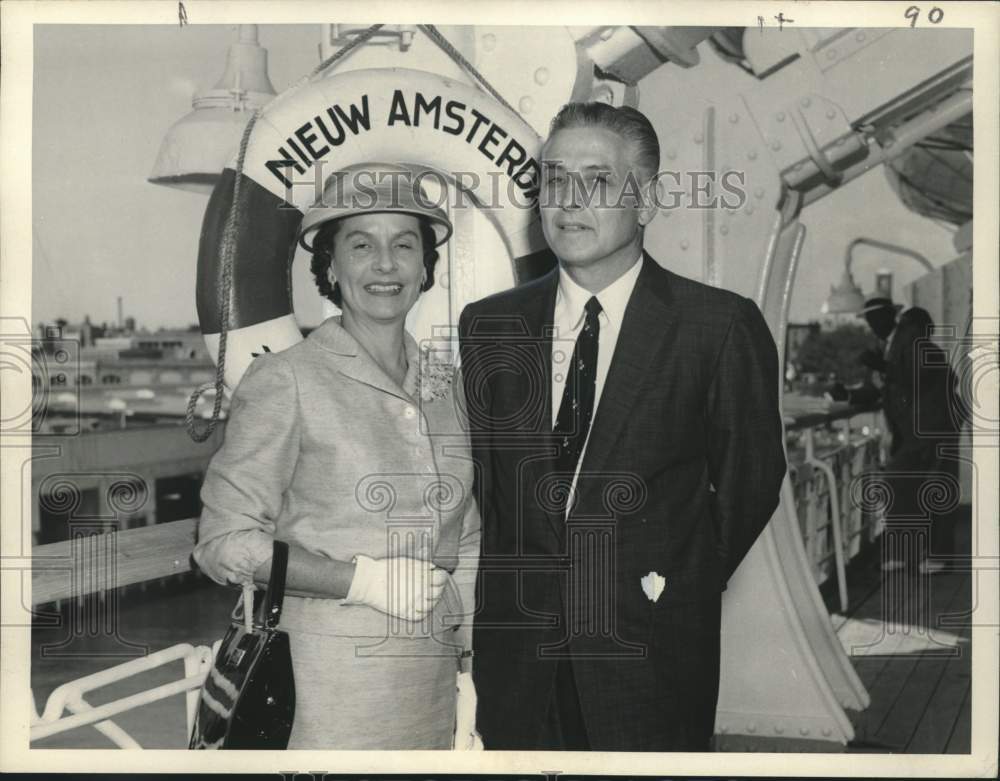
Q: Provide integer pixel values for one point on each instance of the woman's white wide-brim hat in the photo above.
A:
(375, 187)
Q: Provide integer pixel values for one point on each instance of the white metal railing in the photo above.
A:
(70, 696)
(832, 524)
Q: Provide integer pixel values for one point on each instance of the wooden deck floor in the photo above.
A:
(907, 637)
(909, 640)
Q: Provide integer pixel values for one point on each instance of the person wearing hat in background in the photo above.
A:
(880, 314)
(915, 385)
(348, 446)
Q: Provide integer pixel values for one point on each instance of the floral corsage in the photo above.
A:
(437, 372)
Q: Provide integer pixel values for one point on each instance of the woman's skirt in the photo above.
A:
(389, 693)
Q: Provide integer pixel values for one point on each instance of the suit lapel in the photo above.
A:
(363, 369)
(531, 327)
(538, 314)
(540, 317)
(648, 319)
(357, 363)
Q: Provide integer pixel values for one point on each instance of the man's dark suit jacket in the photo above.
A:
(919, 396)
(919, 401)
(681, 473)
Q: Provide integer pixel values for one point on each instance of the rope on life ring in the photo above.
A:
(240, 257)
(228, 245)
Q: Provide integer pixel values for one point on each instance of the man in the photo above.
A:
(629, 451)
(881, 315)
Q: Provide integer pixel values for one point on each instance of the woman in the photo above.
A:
(349, 446)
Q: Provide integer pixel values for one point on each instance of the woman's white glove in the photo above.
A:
(401, 587)
(466, 737)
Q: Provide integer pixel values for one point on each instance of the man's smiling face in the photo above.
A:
(589, 204)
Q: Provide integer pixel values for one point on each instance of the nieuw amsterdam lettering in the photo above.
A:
(315, 139)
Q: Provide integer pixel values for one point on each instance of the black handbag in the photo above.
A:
(248, 698)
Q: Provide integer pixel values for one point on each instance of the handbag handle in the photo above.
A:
(275, 594)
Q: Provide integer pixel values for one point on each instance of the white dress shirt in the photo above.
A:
(568, 319)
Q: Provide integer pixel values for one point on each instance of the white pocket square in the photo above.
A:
(652, 585)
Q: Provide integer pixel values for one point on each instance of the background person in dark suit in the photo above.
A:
(918, 393)
(629, 450)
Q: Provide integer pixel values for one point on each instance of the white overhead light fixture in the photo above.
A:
(199, 145)
(847, 298)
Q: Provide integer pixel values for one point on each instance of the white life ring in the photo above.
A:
(391, 115)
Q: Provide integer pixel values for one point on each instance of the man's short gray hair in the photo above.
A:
(629, 123)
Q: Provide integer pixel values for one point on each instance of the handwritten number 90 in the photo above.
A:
(934, 16)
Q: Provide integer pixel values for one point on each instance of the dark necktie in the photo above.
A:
(577, 408)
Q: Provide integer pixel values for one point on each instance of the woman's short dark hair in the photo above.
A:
(323, 256)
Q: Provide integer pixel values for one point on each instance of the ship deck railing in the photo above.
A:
(837, 449)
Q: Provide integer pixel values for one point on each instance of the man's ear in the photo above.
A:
(651, 199)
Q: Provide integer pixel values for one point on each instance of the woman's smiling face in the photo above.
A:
(378, 259)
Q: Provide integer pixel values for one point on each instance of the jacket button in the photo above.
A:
(409, 412)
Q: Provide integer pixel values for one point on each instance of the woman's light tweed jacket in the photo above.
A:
(322, 449)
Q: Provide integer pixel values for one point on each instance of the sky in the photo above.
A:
(105, 96)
